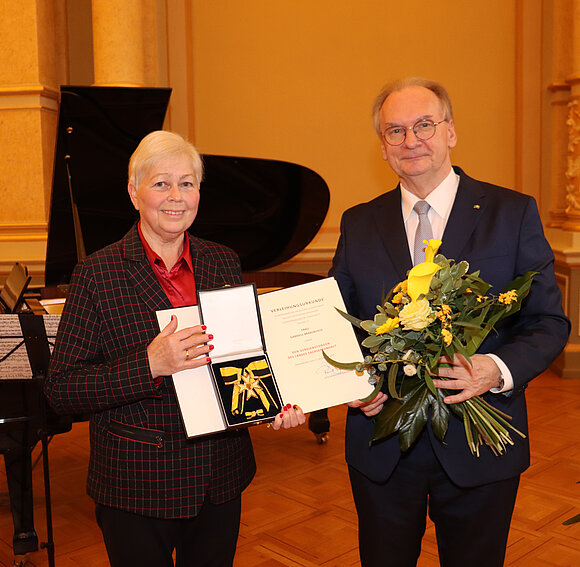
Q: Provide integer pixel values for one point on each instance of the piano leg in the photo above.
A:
(319, 424)
(18, 462)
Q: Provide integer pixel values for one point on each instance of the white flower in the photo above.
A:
(409, 370)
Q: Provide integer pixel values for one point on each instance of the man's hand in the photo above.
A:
(473, 379)
(371, 408)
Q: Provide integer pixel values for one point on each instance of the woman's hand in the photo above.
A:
(371, 408)
(172, 350)
(290, 416)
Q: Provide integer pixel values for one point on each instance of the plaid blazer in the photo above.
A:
(141, 460)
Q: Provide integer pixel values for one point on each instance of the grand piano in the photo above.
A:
(266, 210)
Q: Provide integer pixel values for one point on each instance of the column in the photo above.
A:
(31, 69)
(124, 42)
(563, 230)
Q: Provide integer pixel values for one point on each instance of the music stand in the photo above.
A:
(26, 411)
(12, 294)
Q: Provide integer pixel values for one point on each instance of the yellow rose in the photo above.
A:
(417, 315)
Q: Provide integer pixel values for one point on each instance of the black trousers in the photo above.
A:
(208, 540)
(471, 524)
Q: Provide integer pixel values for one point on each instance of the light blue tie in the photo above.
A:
(424, 231)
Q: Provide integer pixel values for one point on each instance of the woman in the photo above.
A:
(155, 491)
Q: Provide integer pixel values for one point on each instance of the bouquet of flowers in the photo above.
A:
(440, 309)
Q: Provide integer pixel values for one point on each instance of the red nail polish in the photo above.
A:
(211, 347)
(208, 360)
(203, 327)
(287, 407)
(295, 406)
(210, 337)
(281, 416)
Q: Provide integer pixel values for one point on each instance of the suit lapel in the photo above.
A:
(388, 219)
(140, 274)
(201, 268)
(468, 208)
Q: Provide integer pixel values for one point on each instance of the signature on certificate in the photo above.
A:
(326, 370)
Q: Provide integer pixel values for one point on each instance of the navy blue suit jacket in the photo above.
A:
(499, 232)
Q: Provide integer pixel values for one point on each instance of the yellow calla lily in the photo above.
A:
(419, 279)
(432, 246)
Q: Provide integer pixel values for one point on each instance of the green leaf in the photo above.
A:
(390, 310)
(399, 414)
(375, 391)
(341, 365)
(429, 382)
(354, 320)
(369, 326)
(572, 520)
(392, 381)
(413, 423)
(439, 416)
(459, 270)
(374, 341)
(380, 319)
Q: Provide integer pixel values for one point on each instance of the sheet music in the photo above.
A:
(14, 362)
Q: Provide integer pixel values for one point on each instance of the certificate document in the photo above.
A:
(299, 323)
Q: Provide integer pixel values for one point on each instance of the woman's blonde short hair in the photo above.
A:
(159, 145)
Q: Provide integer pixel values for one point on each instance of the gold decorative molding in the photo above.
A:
(573, 169)
(24, 243)
(569, 258)
(558, 86)
(27, 97)
(563, 281)
(557, 218)
(23, 232)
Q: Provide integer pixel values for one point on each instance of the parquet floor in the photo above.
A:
(299, 512)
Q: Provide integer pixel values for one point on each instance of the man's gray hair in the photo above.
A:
(437, 88)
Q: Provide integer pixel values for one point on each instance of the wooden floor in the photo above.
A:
(299, 511)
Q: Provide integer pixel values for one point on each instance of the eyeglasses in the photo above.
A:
(423, 130)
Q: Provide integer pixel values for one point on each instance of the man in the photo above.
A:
(497, 231)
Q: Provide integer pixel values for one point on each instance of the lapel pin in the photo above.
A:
(476, 207)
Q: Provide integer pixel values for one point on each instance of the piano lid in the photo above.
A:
(98, 130)
(266, 210)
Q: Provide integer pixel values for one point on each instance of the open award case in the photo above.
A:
(243, 377)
